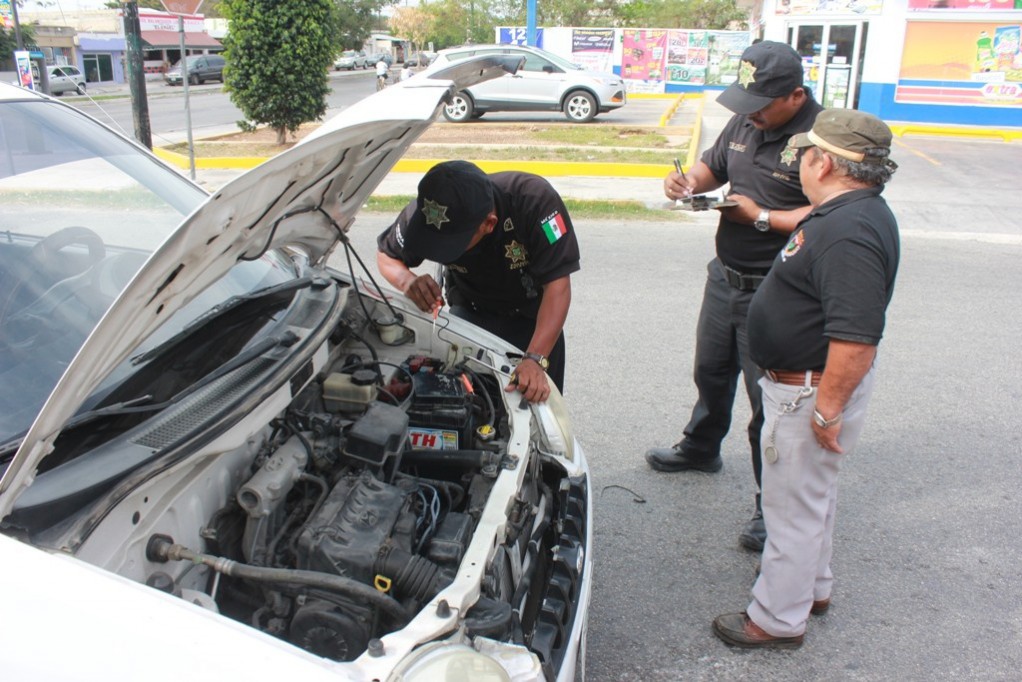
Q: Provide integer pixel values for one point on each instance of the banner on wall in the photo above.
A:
(518, 35)
(704, 57)
(987, 5)
(800, 7)
(974, 64)
(642, 59)
(593, 48)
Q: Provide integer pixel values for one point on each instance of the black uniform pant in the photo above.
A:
(517, 330)
(722, 352)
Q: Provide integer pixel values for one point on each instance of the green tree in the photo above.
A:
(701, 14)
(9, 43)
(355, 20)
(277, 57)
(412, 23)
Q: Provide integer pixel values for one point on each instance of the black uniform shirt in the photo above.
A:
(759, 165)
(532, 244)
(833, 280)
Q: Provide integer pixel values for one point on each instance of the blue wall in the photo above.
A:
(878, 99)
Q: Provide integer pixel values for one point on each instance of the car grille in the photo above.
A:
(560, 597)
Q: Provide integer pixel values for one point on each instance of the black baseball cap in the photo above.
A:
(454, 199)
(768, 70)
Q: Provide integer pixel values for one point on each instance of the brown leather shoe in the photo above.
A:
(820, 607)
(737, 629)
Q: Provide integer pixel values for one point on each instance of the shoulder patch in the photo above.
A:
(793, 246)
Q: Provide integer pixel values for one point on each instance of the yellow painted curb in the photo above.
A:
(901, 130)
(697, 131)
(651, 95)
(671, 110)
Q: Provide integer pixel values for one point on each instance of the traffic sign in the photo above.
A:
(187, 7)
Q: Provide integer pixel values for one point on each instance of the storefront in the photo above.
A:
(161, 39)
(926, 61)
(102, 58)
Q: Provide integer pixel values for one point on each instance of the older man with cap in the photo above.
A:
(814, 327)
(509, 248)
(770, 105)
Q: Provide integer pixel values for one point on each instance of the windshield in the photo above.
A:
(82, 209)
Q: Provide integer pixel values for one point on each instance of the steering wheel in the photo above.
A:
(44, 254)
(43, 268)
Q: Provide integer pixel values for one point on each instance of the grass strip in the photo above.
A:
(578, 208)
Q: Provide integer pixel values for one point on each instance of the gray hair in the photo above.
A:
(877, 169)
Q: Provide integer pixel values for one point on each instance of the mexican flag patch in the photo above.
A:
(554, 228)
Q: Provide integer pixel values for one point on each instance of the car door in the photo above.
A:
(539, 81)
(60, 81)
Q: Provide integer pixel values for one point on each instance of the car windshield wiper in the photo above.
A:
(221, 309)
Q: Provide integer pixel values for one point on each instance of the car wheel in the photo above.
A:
(80, 89)
(460, 109)
(194, 79)
(580, 107)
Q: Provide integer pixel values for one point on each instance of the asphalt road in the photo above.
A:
(926, 544)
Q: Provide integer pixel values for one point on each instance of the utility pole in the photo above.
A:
(17, 25)
(136, 75)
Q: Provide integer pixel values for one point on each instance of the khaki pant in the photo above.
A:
(799, 499)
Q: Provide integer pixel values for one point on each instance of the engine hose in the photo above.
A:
(460, 458)
(414, 576)
(162, 550)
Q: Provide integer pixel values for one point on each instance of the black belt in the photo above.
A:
(741, 280)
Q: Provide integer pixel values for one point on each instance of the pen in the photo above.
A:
(677, 167)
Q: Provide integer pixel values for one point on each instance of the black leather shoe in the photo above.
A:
(674, 459)
(753, 536)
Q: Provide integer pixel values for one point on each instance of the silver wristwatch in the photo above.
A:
(825, 423)
(763, 221)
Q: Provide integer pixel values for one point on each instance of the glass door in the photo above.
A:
(832, 60)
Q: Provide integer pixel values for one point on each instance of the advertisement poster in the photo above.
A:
(704, 57)
(6, 14)
(975, 63)
(643, 58)
(987, 5)
(800, 7)
(593, 48)
(24, 61)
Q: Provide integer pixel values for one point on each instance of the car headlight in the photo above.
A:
(442, 662)
(556, 426)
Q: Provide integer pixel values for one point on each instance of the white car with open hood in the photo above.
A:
(223, 459)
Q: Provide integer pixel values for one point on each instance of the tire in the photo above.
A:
(460, 109)
(80, 89)
(194, 79)
(580, 106)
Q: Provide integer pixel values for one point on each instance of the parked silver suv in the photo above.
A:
(545, 82)
(201, 68)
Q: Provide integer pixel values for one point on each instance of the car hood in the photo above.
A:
(306, 198)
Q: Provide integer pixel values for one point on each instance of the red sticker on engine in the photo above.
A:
(433, 439)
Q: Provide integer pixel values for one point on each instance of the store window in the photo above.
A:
(833, 72)
(98, 67)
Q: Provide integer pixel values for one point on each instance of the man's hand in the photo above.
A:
(745, 213)
(425, 293)
(531, 380)
(827, 438)
(678, 187)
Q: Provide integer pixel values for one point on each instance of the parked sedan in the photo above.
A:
(222, 456)
(545, 82)
(65, 79)
(350, 60)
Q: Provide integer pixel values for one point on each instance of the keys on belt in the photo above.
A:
(741, 280)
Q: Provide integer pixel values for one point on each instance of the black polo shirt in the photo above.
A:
(833, 280)
(533, 244)
(758, 165)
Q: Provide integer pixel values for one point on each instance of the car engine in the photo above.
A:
(358, 511)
